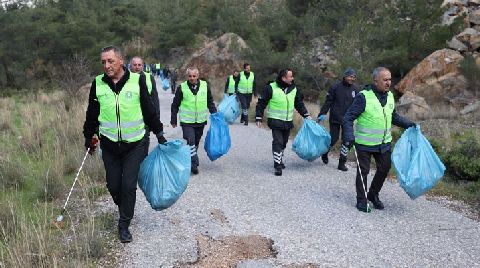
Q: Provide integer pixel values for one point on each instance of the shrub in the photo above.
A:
(462, 160)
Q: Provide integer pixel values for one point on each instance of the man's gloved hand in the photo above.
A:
(321, 118)
(161, 139)
(91, 144)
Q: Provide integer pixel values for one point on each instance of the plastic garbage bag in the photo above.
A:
(165, 84)
(164, 174)
(311, 141)
(417, 165)
(230, 108)
(217, 142)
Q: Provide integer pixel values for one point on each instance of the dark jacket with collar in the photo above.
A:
(339, 98)
(147, 103)
(357, 108)
(265, 97)
(177, 100)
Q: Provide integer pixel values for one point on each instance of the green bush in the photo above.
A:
(462, 160)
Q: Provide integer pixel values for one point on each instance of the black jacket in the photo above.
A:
(254, 86)
(147, 103)
(177, 100)
(339, 98)
(265, 97)
(357, 108)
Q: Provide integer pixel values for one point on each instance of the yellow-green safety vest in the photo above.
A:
(157, 66)
(120, 115)
(374, 125)
(281, 105)
(231, 85)
(148, 80)
(193, 108)
(245, 85)
(147, 68)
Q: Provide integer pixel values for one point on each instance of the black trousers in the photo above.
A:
(279, 143)
(383, 164)
(193, 135)
(245, 100)
(122, 175)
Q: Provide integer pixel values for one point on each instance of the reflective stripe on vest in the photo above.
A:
(120, 115)
(231, 85)
(374, 125)
(281, 105)
(193, 108)
(245, 85)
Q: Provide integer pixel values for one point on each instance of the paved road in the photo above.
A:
(309, 214)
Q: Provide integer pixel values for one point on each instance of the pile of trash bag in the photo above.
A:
(311, 141)
(217, 141)
(164, 174)
(165, 84)
(417, 165)
(230, 108)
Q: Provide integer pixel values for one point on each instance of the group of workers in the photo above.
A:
(123, 107)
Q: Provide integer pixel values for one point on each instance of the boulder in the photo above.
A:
(217, 60)
(455, 44)
(470, 37)
(436, 78)
(474, 17)
(413, 107)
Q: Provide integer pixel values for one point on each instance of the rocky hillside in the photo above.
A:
(437, 80)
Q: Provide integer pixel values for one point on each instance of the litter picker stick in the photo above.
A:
(361, 176)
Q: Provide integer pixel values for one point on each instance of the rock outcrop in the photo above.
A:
(216, 60)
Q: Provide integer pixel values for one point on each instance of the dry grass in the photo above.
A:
(7, 107)
(34, 174)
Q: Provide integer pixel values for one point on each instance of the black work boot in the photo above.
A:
(242, 118)
(278, 171)
(194, 170)
(325, 158)
(341, 163)
(246, 121)
(362, 205)
(375, 200)
(125, 235)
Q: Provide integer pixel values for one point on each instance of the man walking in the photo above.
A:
(193, 99)
(232, 80)
(245, 86)
(374, 110)
(119, 106)
(280, 98)
(137, 65)
(339, 98)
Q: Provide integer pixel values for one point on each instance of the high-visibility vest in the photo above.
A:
(281, 105)
(374, 125)
(193, 108)
(231, 85)
(157, 66)
(148, 79)
(246, 85)
(120, 115)
(147, 68)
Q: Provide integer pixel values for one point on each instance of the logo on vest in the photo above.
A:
(128, 95)
(391, 106)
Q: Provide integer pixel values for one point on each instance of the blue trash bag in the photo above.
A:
(230, 108)
(217, 142)
(164, 174)
(311, 141)
(418, 166)
(165, 84)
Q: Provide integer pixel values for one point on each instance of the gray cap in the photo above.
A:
(349, 71)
